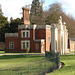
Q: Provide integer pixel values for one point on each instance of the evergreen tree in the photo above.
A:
(36, 13)
(3, 19)
(4, 26)
(14, 24)
(1, 11)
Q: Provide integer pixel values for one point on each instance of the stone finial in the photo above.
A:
(64, 23)
(60, 19)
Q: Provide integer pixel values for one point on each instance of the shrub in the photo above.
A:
(5, 48)
(54, 57)
(27, 49)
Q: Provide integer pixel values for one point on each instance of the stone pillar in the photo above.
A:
(63, 43)
(60, 35)
(53, 26)
(66, 46)
(65, 38)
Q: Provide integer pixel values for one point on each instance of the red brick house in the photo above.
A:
(36, 37)
(2, 45)
(71, 44)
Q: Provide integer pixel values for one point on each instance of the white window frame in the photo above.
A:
(26, 31)
(10, 44)
(37, 46)
(25, 44)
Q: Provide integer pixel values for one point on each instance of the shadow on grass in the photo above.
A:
(67, 57)
(19, 56)
(68, 68)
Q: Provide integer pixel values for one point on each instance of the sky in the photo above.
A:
(13, 8)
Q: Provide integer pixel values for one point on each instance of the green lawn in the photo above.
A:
(9, 61)
(69, 68)
(21, 64)
(20, 61)
(16, 64)
(2, 52)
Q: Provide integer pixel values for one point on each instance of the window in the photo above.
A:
(25, 33)
(11, 45)
(37, 46)
(25, 43)
(49, 39)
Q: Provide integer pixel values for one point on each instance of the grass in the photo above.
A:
(2, 52)
(69, 68)
(17, 64)
(14, 64)
(7, 61)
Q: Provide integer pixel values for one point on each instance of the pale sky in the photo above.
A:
(13, 8)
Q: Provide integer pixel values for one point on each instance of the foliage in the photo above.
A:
(3, 19)
(4, 30)
(54, 57)
(14, 24)
(52, 16)
(27, 49)
(55, 10)
(5, 48)
(36, 13)
(69, 68)
(4, 26)
(1, 11)
(70, 23)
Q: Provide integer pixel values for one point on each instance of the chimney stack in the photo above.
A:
(26, 16)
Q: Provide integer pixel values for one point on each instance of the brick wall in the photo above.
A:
(72, 45)
(48, 34)
(26, 16)
(42, 34)
(16, 43)
(2, 45)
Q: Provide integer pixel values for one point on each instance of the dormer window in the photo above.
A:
(25, 33)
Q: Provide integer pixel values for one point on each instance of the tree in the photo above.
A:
(3, 19)
(4, 25)
(3, 30)
(52, 16)
(36, 13)
(14, 24)
(1, 11)
(54, 12)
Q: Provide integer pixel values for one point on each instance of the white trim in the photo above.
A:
(11, 45)
(25, 33)
(34, 27)
(25, 43)
(11, 34)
